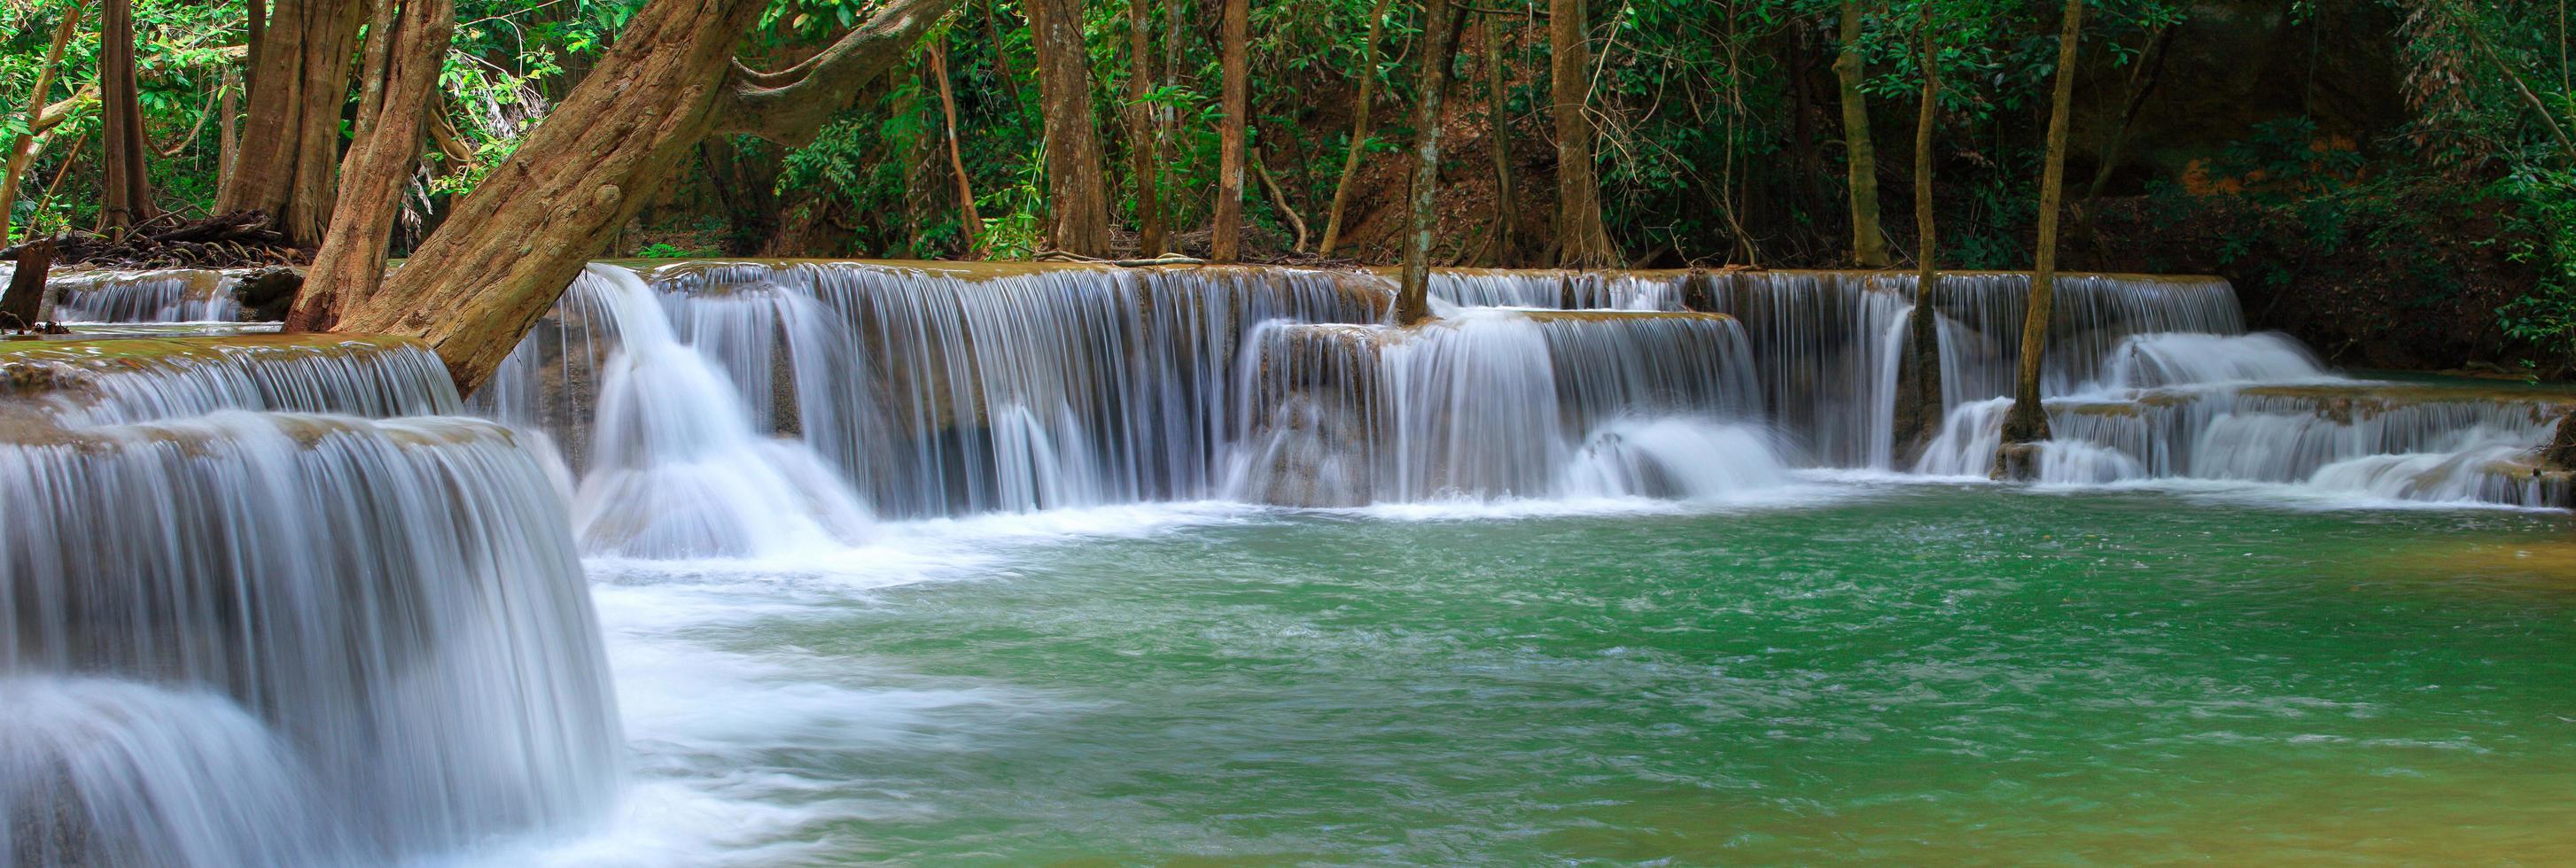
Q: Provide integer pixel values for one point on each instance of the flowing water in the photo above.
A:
(919, 563)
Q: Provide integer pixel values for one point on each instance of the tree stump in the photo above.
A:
(25, 300)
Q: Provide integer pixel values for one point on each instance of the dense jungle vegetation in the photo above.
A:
(2393, 180)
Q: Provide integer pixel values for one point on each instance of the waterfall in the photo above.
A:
(1557, 290)
(943, 392)
(930, 390)
(242, 635)
(137, 380)
(1491, 403)
(676, 467)
(145, 296)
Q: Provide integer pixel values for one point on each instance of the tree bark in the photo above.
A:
(1077, 192)
(1584, 242)
(41, 119)
(298, 85)
(1360, 120)
(1144, 147)
(406, 44)
(229, 128)
(1225, 242)
(1278, 197)
(1869, 239)
(1498, 145)
(24, 301)
(507, 251)
(125, 195)
(1441, 20)
(2028, 422)
(1918, 388)
(970, 224)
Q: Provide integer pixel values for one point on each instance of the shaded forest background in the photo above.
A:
(2380, 177)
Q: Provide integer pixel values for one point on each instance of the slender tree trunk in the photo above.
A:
(406, 43)
(1226, 241)
(1498, 145)
(1360, 121)
(1077, 192)
(1869, 240)
(970, 223)
(299, 83)
(1278, 197)
(2027, 424)
(1584, 242)
(2142, 82)
(41, 119)
(230, 126)
(508, 249)
(1441, 20)
(1144, 148)
(126, 193)
(1918, 389)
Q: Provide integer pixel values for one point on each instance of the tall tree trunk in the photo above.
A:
(1869, 241)
(1583, 241)
(254, 33)
(1225, 244)
(406, 43)
(1441, 20)
(1361, 118)
(1498, 145)
(125, 196)
(299, 82)
(970, 223)
(508, 249)
(41, 119)
(229, 129)
(1144, 148)
(1918, 388)
(1077, 191)
(2027, 424)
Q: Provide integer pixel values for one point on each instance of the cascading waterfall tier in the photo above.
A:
(1487, 403)
(938, 390)
(184, 295)
(932, 389)
(244, 636)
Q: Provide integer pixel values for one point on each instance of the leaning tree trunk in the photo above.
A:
(1584, 241)
(1869, 241)
(2027, 424)
(1360, 120)
(1918, 387)
(1225, 241)
(125, 195)
(1441, 20)
(41, 120)
(298, 84)
(1077, 192)
(406, 43)
(475, 286)
(1144, 147)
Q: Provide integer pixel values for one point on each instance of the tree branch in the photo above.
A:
(789, 106)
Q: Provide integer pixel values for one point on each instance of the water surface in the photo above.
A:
(1894, 673)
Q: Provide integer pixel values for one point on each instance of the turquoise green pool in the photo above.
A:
(1894, 674)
